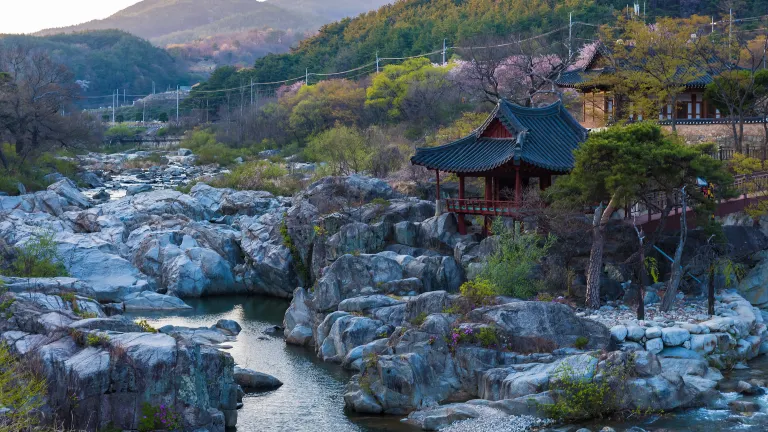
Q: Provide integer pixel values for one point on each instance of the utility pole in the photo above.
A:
(143, 111)
(113, 106)
(377, 62)
(444, 42)
(713, 24)
(206, 110)
(306, 77)
(177, 104)
(570, 36)
(730, 31)
(251, 91)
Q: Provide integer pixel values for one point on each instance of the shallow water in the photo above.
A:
(311, 396)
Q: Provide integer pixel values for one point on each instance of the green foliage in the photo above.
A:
(371, 360)
(738, 89)
(509, 268)
(488, 337)
(38, 257)
(624, 164)
(381, 202)
(5, 303)
(146, 327)
(31, 171)
(581, 397)
(22, 390)
(85, 315)
(260, 175)
(581, 342)
(161, 417)
(462, 127)
(319, 107)
(94, 340)
(419, 319)
(122, 132)
(298, 263)
(343, 148)
(652, 267)
(207, 149)
(393, 91)
(480, 291)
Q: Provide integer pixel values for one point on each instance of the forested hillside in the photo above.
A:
(106, 60)
(411, 27)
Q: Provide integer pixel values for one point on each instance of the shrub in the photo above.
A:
(146, 327)
(158, 418)
(487, 337)
(94, 340)
(511, 266)
(371, 360)
(38, 257)
(581, 342)
(419, 319)
(481, 292)
(22, 390)
(381, 202)
(207, 149)
(260, 175)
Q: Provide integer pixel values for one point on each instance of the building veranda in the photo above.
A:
(514, 148)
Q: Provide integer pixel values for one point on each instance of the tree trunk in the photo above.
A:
(736, 143)
(677, 268)
(643, 284)
(741, 130)
(595, 267)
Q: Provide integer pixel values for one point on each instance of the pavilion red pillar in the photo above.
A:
(459, 215)
(438, 202)
(488, 197)
(518, 188)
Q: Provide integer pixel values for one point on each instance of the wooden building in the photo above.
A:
(598, 106)
(513, 148)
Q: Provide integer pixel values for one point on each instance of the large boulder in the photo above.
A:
(148, 300)
(68, 190)
(539, 323)
(249, 379)
(346, 333)
(352, 276)
(269, 261)
(754, 287)
(231, 202)
(298, 319)
(334, 193)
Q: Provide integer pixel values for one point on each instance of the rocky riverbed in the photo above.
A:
(372, 277)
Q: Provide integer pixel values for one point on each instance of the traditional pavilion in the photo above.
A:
(513, 147)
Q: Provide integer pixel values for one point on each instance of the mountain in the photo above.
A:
(106, 60)
(179, 21)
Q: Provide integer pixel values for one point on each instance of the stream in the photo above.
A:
(311, 398)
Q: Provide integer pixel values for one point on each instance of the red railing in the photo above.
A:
(482, 207)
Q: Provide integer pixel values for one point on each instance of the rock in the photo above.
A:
(437, 418)
(349, 275)
(298, 321)
(674, 336)
(270, 263)
(249, 379)
(137, 189)
(753, 287)
(184, 152)
(345, 332)
(228, 326)
(148, 300)
(619, 333)
(653, 333)
(67, 190)
(102, 195)
(742, 406)
(654, 345)
(635, 333)
(651, 297)
(552, 322)
(363, 303)
(705, 343)
(197, 272)
(91, 179)
(333, 193)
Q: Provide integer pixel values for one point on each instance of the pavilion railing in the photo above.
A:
(482, 207)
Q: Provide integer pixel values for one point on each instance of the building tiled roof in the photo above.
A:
(544, 137)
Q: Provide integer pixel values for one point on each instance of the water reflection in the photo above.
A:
(311, 396)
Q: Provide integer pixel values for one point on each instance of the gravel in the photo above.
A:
(497, 424)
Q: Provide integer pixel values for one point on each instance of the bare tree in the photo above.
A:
(36, 104)
(524, 71)
(677, 268)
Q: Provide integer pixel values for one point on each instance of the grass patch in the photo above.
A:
(419, 319)
(22, 390)
(38, 257)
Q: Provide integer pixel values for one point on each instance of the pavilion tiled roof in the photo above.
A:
(543, 137)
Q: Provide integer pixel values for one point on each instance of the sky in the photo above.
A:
(29, 16)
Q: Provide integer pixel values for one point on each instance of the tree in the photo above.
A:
(319, 107)
(415, 91)
(625, 165)
(738, 83)
(655, 62)
(36, 105)
(342, 148)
